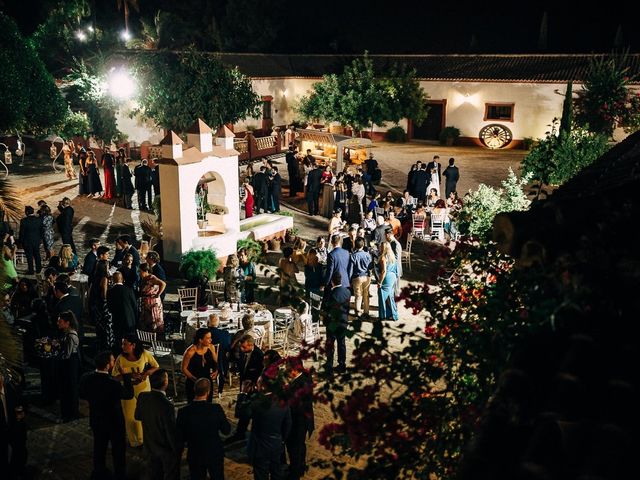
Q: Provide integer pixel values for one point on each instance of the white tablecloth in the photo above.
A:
(81, 282)
(263, 318)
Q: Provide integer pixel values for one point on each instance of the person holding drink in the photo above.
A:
(135, 360)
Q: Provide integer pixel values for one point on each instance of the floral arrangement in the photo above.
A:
(47, 347)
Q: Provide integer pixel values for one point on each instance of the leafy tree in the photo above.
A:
(55, 39)
(606, 102)
(29, 98)
(567, 110)
(86, 93)
(483, 204)
(359, 98)
(170, 96)
(557, 158)
(76, 124)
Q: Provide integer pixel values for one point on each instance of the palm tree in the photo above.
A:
(10, 350)
(124, 5)
(11, 207)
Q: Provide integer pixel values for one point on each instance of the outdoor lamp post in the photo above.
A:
(7, 158)
(20, 149)
(54, 153)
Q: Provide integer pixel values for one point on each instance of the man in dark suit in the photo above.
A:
(335, 308)
(127, 184)
(13, 432)
(270, 428)
(222, 338)
(106, 419)
(156, 413)
(312, 194)
(452, 175)
(293, 170)
(143, 185)
(420, 179)
(437, 165)
(260, 184)
(300, 392)
(123, 306)
(65, 222)
(66, 301)
(275, 187)
(338, 260)
(124, 242)
(155, 177)
(199, 424)
(30, 237)
(91, 259)
(250, 368)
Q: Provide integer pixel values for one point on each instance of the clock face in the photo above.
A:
(495, 136)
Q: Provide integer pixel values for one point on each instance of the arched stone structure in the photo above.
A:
(181, 169)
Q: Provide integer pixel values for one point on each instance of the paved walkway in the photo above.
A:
(63, 451)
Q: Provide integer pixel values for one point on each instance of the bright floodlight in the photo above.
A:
(80, 35)
(121, 85)
(90, 28)
(125, 35)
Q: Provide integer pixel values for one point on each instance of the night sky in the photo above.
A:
(384, 26)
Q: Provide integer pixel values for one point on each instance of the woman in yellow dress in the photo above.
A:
(136, 360)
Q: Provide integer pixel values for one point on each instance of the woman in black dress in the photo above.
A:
(83, 178)
(98, 306)
(200, 361)
(94, 183)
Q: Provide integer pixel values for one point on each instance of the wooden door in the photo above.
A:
(433, 125)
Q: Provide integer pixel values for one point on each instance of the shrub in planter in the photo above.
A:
(396, 135)
(199, 267)
(449, 135)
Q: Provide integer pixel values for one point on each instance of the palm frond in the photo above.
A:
(10, 202)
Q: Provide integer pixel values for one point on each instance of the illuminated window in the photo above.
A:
(499, 111)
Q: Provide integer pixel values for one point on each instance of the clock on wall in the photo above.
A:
(495, 136)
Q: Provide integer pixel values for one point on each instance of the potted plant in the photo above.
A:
(199, 267)
(203, 209)
(527, 143)
(449, 135)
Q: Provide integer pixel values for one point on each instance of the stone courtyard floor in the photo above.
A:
(63, 451)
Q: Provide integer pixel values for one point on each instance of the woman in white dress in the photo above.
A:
(435, 182)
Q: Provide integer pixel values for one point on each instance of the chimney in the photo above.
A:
(171, 146)
(199, 136)
(224, 138)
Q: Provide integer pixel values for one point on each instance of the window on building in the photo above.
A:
(266, 110)
(499, 111)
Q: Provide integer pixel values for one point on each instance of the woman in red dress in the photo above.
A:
(108, 162)
(248, 198)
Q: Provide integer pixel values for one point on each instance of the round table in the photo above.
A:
(263, 318)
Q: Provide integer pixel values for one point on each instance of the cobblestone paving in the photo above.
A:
(63, 451)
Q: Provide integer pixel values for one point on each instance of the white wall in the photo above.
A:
(535, 105)
(179, 221)
(136, 129)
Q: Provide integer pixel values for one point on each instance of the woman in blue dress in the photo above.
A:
(387, 309)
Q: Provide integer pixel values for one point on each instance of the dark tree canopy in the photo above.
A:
(177, 88)
(29, 98)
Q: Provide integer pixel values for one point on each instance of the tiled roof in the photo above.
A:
(501, 68)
